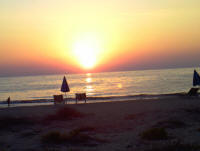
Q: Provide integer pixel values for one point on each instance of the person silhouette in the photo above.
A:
(8, 101)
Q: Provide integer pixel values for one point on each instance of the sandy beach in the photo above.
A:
(142, 125)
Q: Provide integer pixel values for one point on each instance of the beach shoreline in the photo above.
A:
(37, 102)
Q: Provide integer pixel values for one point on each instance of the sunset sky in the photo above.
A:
(73, 36)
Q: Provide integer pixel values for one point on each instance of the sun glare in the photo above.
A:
(86, 51)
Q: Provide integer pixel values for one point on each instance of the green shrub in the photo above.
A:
(154, 134)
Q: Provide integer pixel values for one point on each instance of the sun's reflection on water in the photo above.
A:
(88, 80)
(119, 85)
(89, 87)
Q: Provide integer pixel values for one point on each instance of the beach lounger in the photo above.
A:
(80, 96)
(58, 99)
(193, 92)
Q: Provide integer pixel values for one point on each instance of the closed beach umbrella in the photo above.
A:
(65, 87)
(196, 79)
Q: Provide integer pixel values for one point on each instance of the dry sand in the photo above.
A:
(111, 126)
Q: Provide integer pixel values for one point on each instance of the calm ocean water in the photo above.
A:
(107, 84)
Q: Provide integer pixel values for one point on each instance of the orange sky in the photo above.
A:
(54, 36)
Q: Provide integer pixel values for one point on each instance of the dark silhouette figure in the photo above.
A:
(8, 101)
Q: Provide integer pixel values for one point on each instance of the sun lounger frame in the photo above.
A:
(80, 96)
(58, 99)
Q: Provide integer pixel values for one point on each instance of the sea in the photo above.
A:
(104, 86)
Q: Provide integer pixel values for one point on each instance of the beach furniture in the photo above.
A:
(65, 86)
(193, 92)
(80, 96)
(196, 79)
(196, 82)
(58, 99)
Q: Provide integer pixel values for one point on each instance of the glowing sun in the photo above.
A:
(86, 51)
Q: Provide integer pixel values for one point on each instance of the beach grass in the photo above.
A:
(154, 134)
(75, 136)
(54, 137)
(65, 113)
